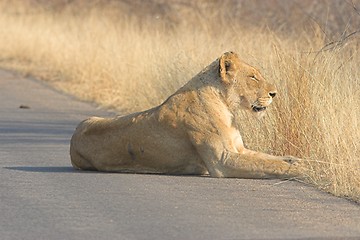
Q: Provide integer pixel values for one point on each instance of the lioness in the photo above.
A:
(192, 132)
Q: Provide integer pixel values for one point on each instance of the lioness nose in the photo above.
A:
(272, 94)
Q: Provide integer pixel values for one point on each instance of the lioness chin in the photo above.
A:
(192, 132)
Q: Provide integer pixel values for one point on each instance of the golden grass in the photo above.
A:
(131, 65)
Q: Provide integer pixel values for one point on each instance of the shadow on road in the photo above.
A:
(44, 169)
(69, 169)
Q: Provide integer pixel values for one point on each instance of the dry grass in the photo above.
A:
(102, 54)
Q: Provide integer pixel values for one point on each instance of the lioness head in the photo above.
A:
(244, 84)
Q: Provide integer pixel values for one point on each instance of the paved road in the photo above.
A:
(42, 197)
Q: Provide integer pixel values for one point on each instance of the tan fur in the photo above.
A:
(192, 132)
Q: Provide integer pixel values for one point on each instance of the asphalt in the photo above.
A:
(43, 197)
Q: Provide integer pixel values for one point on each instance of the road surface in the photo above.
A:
(43, 197)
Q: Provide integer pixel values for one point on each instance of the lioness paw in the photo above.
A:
(291, 159)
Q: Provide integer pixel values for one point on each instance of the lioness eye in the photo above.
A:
(254, 78)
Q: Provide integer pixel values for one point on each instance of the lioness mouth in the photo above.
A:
(258, 109)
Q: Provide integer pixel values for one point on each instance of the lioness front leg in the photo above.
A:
(251, 164)
(255, 166)
(246, 163)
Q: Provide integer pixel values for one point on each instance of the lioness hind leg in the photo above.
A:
(79, 162)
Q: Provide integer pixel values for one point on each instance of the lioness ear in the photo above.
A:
(225, 66)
